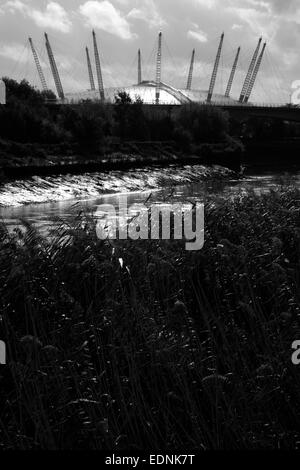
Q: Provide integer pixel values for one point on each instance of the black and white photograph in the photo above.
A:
(149, 228)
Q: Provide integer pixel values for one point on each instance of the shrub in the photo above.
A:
(205, 123)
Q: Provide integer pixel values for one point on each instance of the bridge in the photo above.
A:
(274, 111)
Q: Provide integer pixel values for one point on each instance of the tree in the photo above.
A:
(129, 117)
(204, 123)
(22, 91)
(25, 118)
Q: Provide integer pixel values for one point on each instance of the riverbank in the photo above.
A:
(165, 349)
(25, 160)
(41, 140)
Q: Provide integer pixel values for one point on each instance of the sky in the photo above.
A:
(124, 26)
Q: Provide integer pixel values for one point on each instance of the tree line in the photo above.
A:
(27, 118)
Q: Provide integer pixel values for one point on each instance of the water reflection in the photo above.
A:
(43, 215)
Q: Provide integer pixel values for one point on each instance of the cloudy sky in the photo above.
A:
(123, 26)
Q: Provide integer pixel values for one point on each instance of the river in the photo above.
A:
(24, 199)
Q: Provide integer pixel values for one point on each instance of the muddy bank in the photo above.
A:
(25, 160)
(43, 189)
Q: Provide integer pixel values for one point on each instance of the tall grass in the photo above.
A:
(164, 350)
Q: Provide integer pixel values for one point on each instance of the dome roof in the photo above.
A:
(147, 92)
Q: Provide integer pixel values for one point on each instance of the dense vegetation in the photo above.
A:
(28, 119)
(167, 350)
(93, 124)
(35, 131)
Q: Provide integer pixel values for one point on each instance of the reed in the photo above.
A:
(167, 350)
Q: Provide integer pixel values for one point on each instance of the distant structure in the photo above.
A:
(153, 91)
(54, 70)
(191, 70)
(250, 72)
(90, 71)
(2, 92)
(215, 70)
(158, 68)
(254, 75)
(38, 66)
(139, 67)
(98, 68)
(232, 74)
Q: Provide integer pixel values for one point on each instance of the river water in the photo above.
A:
(23, 200)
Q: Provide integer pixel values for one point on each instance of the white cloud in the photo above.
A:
(14, 51)
(54, 16)
(198, 35)
(237, 26)
(105, 16)
(261, 24)
(13, 5)
(64, 63)
(206, 3)
(137, 14)
(148, 13)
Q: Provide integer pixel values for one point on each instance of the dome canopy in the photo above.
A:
(146, 91)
